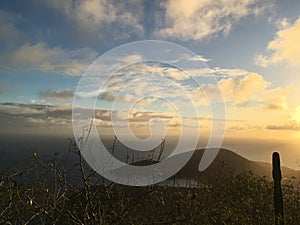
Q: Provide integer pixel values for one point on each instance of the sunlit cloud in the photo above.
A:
(251, 90)
(143, 83)
(289, 126)
(284, 47)
(195, 20)
(296, 115)
(241, 90)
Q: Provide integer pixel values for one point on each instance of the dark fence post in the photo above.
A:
(278, 200)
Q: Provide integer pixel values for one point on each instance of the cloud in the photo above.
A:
(290, 126)
(245, 127)
(15, 105)
(250, 90)
(107, 96)
(275, 99)
(40, 57)
(236, 90)
(218, 72)
(3, 87)
(22, 117)
(284, 47)
(197, 58)
(241, 90)
(253, 89)
(239, 87)
(8, 31)
(98, 15)
(195, 20)
(17, 117)
(141, 80)
(282, 23)
(59, 95)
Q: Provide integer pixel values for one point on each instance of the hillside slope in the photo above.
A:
(229, 162)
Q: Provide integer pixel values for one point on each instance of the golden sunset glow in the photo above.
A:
(251, 49)
(296, 115)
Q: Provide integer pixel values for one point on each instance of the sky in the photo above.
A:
(251, 47)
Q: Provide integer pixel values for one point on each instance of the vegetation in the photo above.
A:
(278, 200)
(47, 192)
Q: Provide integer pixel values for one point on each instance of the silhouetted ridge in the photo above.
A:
(229, 162)
(226, 162)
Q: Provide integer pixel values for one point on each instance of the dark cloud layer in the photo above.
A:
(291, 126)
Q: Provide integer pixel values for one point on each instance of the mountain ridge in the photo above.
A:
(227, 161)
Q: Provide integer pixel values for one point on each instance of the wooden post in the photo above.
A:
(278, 200)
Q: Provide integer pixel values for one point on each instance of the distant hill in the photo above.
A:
(225, 163)
(229, 162)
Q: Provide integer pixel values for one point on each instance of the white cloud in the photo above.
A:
(195, 20)
(130, 58)
(284, 47)
(218, 72)
(128, 98)
(146, 101)
(40, 57)
(282, 23)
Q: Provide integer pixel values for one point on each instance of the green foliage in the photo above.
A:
(42, 193)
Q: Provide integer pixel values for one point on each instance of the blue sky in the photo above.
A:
(51, 25)
(46, 45)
